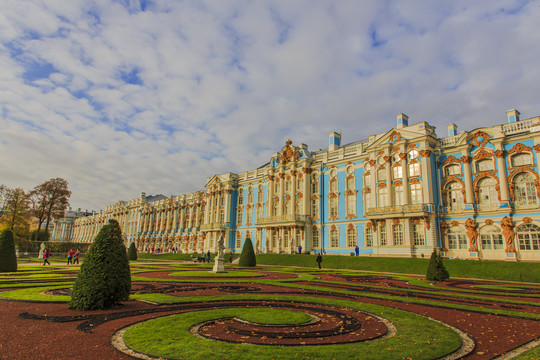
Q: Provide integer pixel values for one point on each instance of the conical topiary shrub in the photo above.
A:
(104, 279)
(247, 258)
(436, 270)
(8, 256)
(132, 252)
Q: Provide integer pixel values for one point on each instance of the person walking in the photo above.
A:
(46, 255)
(299, 249)
(208, 256)
(76, 257)
(70, 256)
(357, 250)
(319, 260)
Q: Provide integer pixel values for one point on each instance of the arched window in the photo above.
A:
(351, 237)
(525, 191)
(334, 238)
(397, 234)
(414, 169)
(491, 238)
(457, 238)
(455, 195)
(419, 235)
(528, 237)
(382, 197)
(315, 207)
(238, 239)
(398, 195)
(334, 186)
(398, 172)
(239, 212)
(484, 165)
(452, 170)
(382, 235)
(334, 206)
(487, 191)
(260, 195)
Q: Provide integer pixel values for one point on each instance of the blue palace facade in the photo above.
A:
(471, 195)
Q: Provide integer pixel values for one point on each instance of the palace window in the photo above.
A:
(414, 169)
(368, 235)
(382, 235)
(351, 237)
(367, 200)
(416, 193)
(274, 239)
(260, 195)
(452, 170)
(299, 182)
(315, 207)
(456, 238)
(288, 207)
(381, 174)
(250, 198)
(276, 208)
(259, 212)
(521, 159)
(238, 240)
(398, 172)
(315, 188)
(249, 215)
(222, 215)
(239, 213)
(334, 186)
(334, 238)
(525, 191)
(397, 234)
(287, 186)
(367, 180)
(413, 154)
(455, 195)
(398, 195)
(491, 238)
(382, 197)
(300, 206)
(350, 184)
(487, 191)
(528, 237)
(316, 238)
(418, 235)
(286, 238)
(484, 165)
(351, 204)
(298, 239)
(334, 206)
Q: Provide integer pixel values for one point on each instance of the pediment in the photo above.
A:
(394, 136)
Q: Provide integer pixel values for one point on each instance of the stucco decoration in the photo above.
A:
(519, 148)
(472, 233)
(288, 153)
(395, 136)
(509, 234)
(482, 154)
(480, 139)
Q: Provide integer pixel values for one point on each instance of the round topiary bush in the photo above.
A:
(104, 278)
(247, 258)
(132, 252)
(8, 256)
(436, 270)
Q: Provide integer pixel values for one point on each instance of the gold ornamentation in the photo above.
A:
(488, 222)
(466, 159)
(395, 221)
(509, 234)
(480, 139)
(426, 223)
(500, 153)
(482, 154)
(527, 220)
(288, 153)
(472, 233)
(451, 160)
(395, 136)
(519, 148)
(425, 153)
(387, 159)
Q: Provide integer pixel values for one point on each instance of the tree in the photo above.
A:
(43, 235)
(15, 210)
(104, 278)
(247, 257)
(436, 270)
(8, 256)
(132, 252)
(50, 200)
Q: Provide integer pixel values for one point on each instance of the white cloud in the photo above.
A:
(120, 99)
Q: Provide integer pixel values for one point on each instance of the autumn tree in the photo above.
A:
(14, 211)
(50, 200)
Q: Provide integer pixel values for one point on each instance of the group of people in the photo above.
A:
(73, 257)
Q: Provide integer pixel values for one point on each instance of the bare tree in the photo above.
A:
(50, 200)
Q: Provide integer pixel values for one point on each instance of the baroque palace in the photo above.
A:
(472, 195)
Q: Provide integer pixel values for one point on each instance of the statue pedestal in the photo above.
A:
(511, 256)
(218, 265)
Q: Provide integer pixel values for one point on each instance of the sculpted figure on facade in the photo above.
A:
(472, 233)
(509, 234)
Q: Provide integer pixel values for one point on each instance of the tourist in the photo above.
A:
(319, 260)
(299, 249)
(70, 256)
(76, 257)
(46, 255)
(357, 250)
(208, 256)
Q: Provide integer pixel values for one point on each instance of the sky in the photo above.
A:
(123, 97)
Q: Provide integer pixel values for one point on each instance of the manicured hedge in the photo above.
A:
(53, 246)
(247, 257)
(132, 252)
(8, 257)
(104, 279)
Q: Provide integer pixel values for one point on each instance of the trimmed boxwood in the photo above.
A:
(132, 252)
(8, 256)
(104, 279)
(436, 270)
(247, 258)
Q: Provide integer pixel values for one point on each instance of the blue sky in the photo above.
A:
(121, 97)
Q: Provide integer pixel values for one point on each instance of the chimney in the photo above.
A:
(143, 195)
(513, 115)
(335, 141)
(402, 120)
(452, 130)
